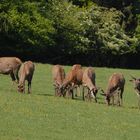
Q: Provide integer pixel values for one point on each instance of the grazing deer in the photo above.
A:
(115, 85)
(77, 68)
(10, 65)
(73, 79)
(26, 72)
(58, 75)
(89, 82)
(136, 82)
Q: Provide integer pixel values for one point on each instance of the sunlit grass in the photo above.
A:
(41, 116)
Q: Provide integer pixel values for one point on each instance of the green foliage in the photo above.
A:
(110, 32)
(70, 35)
(138, 34)
(23, 22)
(70, 27)
(87, 29)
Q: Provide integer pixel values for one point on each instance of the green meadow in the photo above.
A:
(41, 116)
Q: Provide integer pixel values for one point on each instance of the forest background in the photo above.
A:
(89, 32)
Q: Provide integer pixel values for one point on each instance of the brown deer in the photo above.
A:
(58, 75)
(115, 85)
(73, 79)
(10, 65)
(89, 82)
(26, 72)
(136, 82)
(77, 68)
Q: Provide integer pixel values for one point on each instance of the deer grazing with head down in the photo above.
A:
(136, 83)
(73, 79)
(10, 65)
(58, 75)
(26, 72)
(115, 86)
(89, 82)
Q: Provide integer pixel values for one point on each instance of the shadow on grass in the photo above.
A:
(79, 98)
(45, 94)
(133, 107)
(101, 103)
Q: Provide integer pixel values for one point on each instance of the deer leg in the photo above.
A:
(24, 88)
(76, 95)
(139, 101)
(86, 96)
(13, 79)
(89, 96)
(12, 76)
(95, 99)
(83, 90)
(68, 92)
(121, 96)
(121, 99)
(64, 93)
(72, 93)
(138, 94)
(16, 74)
(113, 100)
(118, 93)
(118, 100)
(29, 87)
(79, 91)
(59, 92)
(55, 91)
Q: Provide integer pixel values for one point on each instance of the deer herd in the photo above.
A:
(18, 71)
(66, 84)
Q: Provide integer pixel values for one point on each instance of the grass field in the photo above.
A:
(41, 116)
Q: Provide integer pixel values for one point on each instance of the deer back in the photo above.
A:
(58, 74)
(8, 64)
(116, 81)
(89, 78)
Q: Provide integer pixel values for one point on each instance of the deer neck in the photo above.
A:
(22, 77)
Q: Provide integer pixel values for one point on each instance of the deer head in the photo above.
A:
(136, 82)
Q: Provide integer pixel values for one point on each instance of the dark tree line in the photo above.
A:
(91, 32)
